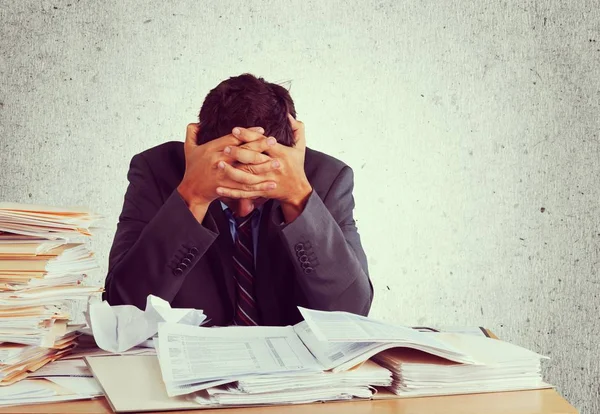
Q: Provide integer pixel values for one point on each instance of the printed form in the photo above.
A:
(192, 355)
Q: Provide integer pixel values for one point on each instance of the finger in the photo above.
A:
(260, 145)
(298, 130)
(260, 130)
(238, 175)
(276, 150)
(296, 125)
(246, 134)
(263, 186)
(245, 156)
(230, 140)
(191, 135)
(235, 193)
(221, 143)
(261, 169)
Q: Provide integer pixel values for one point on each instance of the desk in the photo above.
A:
(522, 402)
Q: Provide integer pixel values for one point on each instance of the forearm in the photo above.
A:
(148, 258)
(330, 263)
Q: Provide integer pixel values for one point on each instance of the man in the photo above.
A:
(242, 220)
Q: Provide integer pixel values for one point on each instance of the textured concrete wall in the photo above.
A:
(472, 129)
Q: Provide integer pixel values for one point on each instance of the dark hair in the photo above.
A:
(247, 101)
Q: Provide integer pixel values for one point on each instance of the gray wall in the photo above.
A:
(472, 129)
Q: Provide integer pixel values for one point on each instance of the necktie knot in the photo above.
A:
(241, 222)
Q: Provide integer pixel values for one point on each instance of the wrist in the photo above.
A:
(197, 205)
(300, 196)
(293, 206)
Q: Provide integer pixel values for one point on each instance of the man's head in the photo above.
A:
(247, 101)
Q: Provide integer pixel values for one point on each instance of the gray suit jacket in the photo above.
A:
(316, 261)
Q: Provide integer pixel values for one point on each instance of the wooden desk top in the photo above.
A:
(523, 402)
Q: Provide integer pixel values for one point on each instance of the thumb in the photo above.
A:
(298, 130)
(191, 135)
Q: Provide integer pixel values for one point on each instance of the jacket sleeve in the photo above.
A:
(156, 244)
(330, 263)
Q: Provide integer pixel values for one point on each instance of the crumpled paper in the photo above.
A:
(120, 328)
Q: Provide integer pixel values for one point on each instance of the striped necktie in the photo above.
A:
(246, 312)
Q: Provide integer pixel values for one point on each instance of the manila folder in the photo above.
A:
(133, 383)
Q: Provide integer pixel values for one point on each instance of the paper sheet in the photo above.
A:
(79, 385)
(332, 354)
(63, 368)
(119, 328)
(348, 327)
(191, 355)
(344, 327)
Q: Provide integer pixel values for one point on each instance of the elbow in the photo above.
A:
(114, 294)
(110, 295)
(357, 298)
(369, 301)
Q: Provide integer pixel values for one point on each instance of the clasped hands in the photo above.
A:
(245, 165)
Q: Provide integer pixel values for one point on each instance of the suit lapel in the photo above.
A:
(223, 254)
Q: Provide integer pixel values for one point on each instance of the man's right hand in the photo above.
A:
(205, 170)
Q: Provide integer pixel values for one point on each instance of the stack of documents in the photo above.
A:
(17, 360)
(299, 388)
(329, 356)
(500, 367)
(314, 360)
(44, 263)
(259, 365)
(427, 363)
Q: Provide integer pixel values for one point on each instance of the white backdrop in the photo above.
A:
(472, 130)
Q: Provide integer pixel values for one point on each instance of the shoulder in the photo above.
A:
(322, 170)
(169, 152)
(165, 162)
(316, 160)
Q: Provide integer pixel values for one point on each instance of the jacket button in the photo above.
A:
(300, 252)
(299, 247)
(308, 270)
(178, 271)
(183, 266)
(193, 251)
(186, 261)
(189, 256)
(304, 258)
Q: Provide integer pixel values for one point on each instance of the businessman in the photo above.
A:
(241, 220)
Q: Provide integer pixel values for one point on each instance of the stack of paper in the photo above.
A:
(25, 221)
(298, 388)
(62, 380)
(262, 365)
(426, 363)
(36, 391)
(17, 360)
(500, 367)
(44, 261)
(328, 356)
